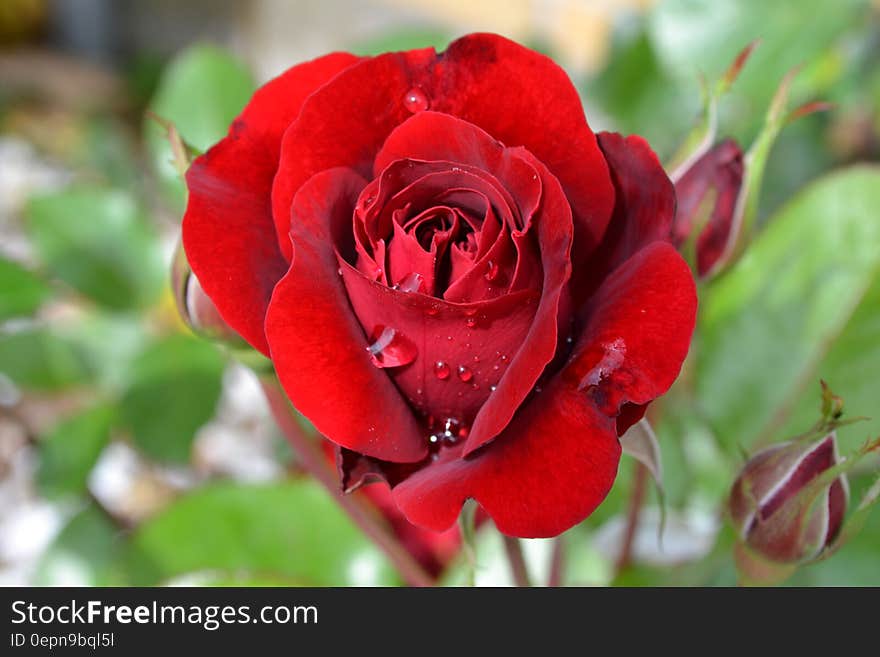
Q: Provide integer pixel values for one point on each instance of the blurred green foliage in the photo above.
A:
(90, 316)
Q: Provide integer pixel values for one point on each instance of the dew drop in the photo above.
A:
(415, 100)
(411, 283)
(493, 388)
(492, 270)
(464, 373)
(390, 348)
(441, 370)
(611, 360)
(504, 357)
(432, 311)
(339, 271)
(470, 322)
(476, 359)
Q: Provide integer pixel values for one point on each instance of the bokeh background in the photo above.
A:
(132, 452)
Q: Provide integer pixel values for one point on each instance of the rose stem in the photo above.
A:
(632, 517)
(517, 563)
(557, 563)
(313, 462)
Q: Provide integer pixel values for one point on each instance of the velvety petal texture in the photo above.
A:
(228, 233)
(458, 284)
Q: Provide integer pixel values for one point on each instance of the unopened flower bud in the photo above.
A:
(708, 192)
(778, 513)
(195, 307)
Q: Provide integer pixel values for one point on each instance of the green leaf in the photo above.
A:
(638, 95)
(40, 359)
(693, 36)
(87, 552)
(23, 291)
(287, 530)
(768, 323)
(69, 451)
(175, 385)
(98, 242)
(201, 92)
(851, 369)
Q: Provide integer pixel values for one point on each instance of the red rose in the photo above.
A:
(457, 283)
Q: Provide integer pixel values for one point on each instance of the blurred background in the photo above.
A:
(132, 452)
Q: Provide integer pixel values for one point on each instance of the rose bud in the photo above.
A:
(195, 307)
(458, 282)
(777, 513)
(708, 192)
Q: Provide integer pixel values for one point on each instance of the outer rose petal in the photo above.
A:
(228, 233)
(513, 93)
(557, 460)
(318, 347)
(637, 330)
(644, 208)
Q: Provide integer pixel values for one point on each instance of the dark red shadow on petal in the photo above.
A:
(643, 211)
(228, 232)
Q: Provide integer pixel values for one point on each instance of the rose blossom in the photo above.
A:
(459, 285)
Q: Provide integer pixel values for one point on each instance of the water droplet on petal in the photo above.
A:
(492, 270)
(339, 271)
(411, 283)
(613, 358)
(470, 322)
(390, 348)
(432, 311)
(464, 373)
(415, 100)
(441, 370)
(493, 388)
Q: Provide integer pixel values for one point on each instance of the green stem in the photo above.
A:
(313, 462)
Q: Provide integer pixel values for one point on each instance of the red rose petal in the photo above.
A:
(479, 337)
(643, 211)
(553, 235)
(515, 94)
(228, 232)
(550, 468)
(318, 347)
(548, 471)
(637, 330)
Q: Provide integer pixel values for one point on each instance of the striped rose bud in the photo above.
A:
(777, 513)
